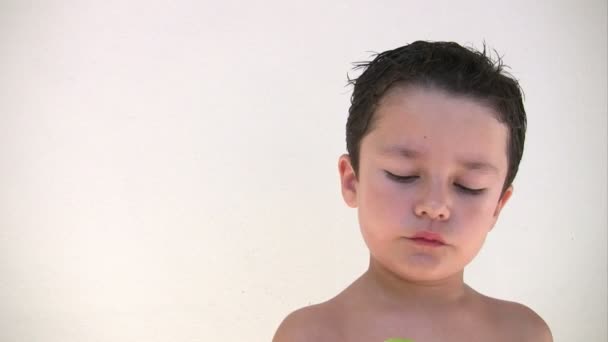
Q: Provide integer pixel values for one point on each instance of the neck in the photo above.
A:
(393, 290)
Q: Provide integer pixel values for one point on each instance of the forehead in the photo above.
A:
(432, 121)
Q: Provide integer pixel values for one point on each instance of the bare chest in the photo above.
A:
(430, 333)
(465, 328)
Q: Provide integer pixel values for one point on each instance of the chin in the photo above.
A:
(422, 276)
(424, 271)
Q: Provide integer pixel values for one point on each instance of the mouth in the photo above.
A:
(428, 239)
(425, 242)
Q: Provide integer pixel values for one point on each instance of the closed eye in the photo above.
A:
(410, 179)
(401, 179)
(468, 191)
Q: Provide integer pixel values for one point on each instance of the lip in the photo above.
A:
(426, 238)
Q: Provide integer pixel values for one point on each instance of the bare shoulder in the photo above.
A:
(311, 323)
(524, 323)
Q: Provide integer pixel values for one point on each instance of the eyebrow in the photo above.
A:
(478, 165)
(410, 153)
(401, 151)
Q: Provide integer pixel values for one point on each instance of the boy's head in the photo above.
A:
(435, 136)
(442, 65)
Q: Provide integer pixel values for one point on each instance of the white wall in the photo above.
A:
(168, 169)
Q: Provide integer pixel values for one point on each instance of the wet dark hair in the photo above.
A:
(447, 66)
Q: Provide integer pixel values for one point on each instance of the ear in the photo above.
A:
(501, 203)
(348, 180)
(503, 200)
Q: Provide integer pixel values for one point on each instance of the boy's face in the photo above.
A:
(434, 163)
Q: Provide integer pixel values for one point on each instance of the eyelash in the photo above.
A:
(410, 179)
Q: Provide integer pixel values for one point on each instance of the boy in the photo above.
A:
(435, 135)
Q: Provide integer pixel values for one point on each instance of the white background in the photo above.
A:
(168, 169)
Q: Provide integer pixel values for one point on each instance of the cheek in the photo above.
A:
(475, 221)
(382, 210)
(477, 215)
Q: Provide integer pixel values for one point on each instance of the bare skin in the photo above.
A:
(373, 309)
(432, 163)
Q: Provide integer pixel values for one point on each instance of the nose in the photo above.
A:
(434, 205)
(435, 211)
